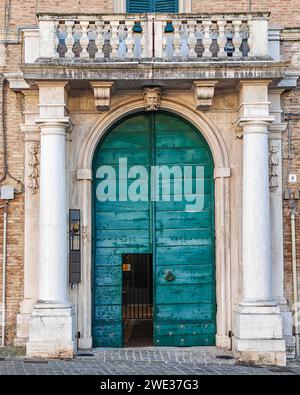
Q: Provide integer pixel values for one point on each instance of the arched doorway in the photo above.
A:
(162, 243)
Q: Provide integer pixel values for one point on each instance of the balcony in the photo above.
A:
(133, 49)
(141, 37)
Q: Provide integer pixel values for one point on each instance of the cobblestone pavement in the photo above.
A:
(147, 361)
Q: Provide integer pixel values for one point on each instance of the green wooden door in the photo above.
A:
(185, 306)
(120, 226)
(181, 240)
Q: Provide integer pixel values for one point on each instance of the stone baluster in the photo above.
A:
(145, 45)
(237, 39)
(129, 42)
(114, 41)
(164, 46)
(199, 36)
(207, 39)
(84, 39)
(250, 38)
(69, 41)
(99, 39)
(222, 39)
(192, 40)
(176, 38)
(56, 39)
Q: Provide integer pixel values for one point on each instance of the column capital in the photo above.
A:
(30, 92)
(54, 125)
(31, 132)
(276, 130)
(254, 82)
(255, 125)
(51, 83)
(253, 120)
(276, 89)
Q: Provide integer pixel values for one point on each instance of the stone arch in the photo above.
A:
(219, 152)
(126, 107)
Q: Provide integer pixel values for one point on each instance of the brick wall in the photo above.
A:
(291, 102)
(84, 6)
(15, 234)
(283, 12)
(291, 164)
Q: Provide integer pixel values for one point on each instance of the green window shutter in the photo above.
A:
(166, 5)
(141, 6)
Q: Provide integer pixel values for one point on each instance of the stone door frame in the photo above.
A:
(218, 148)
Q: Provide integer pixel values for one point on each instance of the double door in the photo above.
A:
(167, 227)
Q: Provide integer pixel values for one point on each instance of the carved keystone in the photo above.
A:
(152, 97)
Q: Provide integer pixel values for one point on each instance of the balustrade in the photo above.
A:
(160, 36)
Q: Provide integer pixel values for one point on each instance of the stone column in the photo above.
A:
(52, 326)
(31, 209)
(257, 323)
(275, 168)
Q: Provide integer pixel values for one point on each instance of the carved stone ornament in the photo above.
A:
(204, 93)
(102, 94)
(152, 97)
(33, 162)
(238, 130)
(274, 165)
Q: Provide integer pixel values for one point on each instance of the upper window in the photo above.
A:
(141, 6)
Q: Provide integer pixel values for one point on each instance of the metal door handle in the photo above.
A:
(169, 276)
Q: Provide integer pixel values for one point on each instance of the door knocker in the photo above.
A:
(169, 276)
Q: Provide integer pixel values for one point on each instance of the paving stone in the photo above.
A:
(148, 361)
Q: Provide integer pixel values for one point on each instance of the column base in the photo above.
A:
(223, 342)
(85, 343)
(22, 330)
(52, 332)
(258, 337)
(260, 352)
(23, 318)
(287, 324)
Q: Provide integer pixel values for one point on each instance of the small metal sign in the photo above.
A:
(74, 247)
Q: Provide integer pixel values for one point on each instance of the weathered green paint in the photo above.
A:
(182, 242)
(119, 227)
